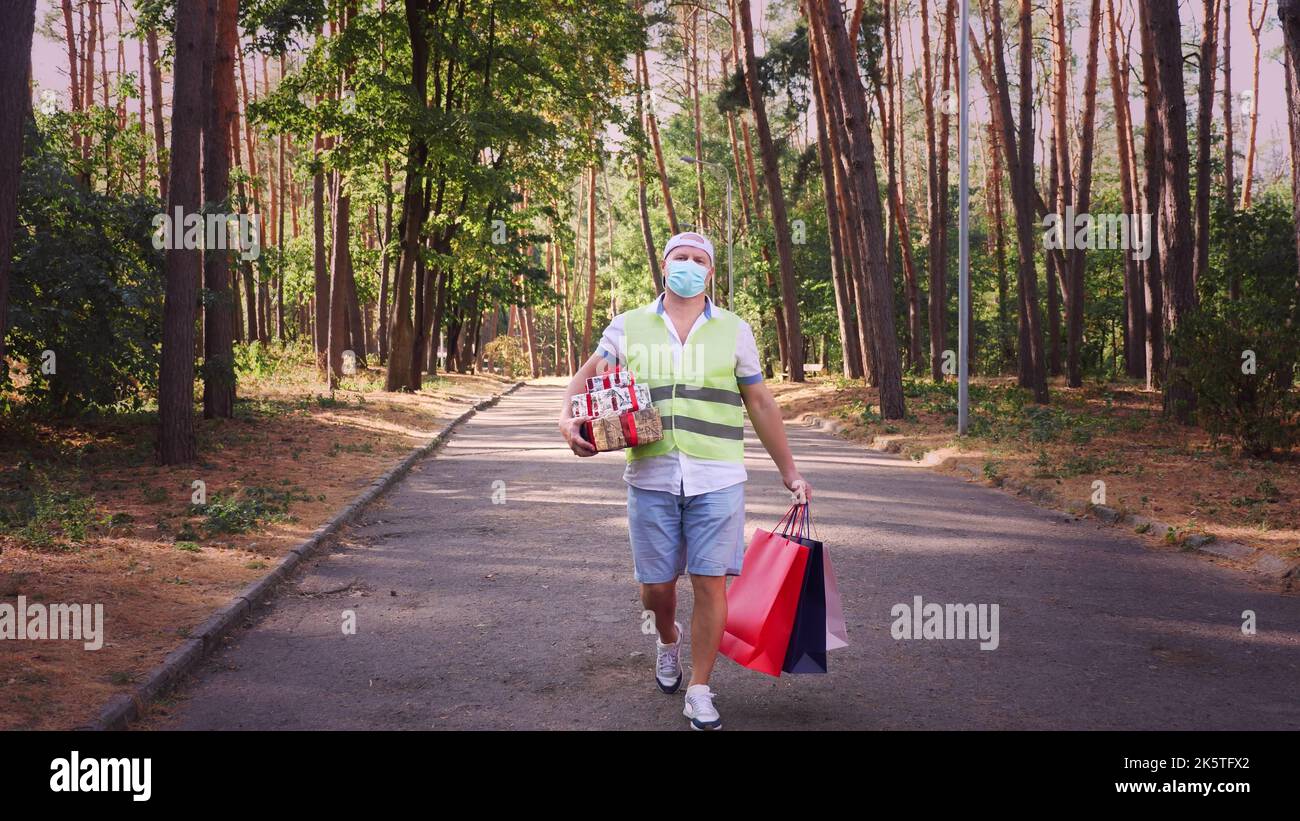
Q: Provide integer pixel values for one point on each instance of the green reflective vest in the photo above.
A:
(698, 397)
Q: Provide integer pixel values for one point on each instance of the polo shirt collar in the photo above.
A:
(708, 306)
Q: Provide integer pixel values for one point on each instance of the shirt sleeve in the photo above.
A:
(748, 369)
(611, 341)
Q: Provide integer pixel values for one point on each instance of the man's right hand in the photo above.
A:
(571, 429)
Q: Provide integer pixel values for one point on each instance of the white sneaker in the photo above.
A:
(668, 663)
(699, 708)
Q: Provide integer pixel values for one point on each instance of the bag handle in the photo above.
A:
(787, 521)
(800, 523)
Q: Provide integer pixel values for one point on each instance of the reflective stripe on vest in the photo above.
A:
(698, 397)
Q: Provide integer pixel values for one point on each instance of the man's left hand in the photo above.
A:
(799, 486)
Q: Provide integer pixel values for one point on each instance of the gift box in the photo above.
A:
(616, 431)
(596, 403)
(616, 378)
(630, 397)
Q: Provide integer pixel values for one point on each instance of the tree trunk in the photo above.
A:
(1229, 118)
(1152, 149)
(848, 326)
(933, 208)
(1176, 245)
(1288, 11)
(1205, 108)
(218, 320)
(320, 265)
(156, 97)
(400, 329)
(647, 235)
(1019, 149)
(1134, 302)
(772, 176)
(659, 152)
(591, 260)
(182, 266)
(17, 24)
(1248, 175)
(828, 25)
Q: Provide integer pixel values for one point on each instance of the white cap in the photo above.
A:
(691, 240)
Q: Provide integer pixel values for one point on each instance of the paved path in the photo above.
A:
(525, 615)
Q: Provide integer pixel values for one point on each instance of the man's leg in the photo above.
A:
(708, 619)
(658, 553)
(661, 599)
(713, 525)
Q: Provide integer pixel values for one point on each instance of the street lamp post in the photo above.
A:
(730, 240)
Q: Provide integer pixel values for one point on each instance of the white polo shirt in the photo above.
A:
(675, 471)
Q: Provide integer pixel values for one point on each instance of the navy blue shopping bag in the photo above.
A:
(806, 652)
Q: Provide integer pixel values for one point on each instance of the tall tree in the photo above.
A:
(1204, 111)
(1134, 295)
(1256, 30)
(156, 99)
(1288, 11)
(1153, 153)
(1075, 192)
(401, 331)
(1018, 145)
(933, 203)
(218, 306)
(17, 22)
(182, 266)
(1229, 111)
(828, 24)
(776, 196)
(1176, 247)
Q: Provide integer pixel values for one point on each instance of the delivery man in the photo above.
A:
(686, 492)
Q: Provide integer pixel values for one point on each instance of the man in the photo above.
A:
(686, 492)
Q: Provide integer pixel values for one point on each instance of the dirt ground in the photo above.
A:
(123, 532)
(1112, 433)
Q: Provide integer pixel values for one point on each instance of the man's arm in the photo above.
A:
(765, 416)
(570, 425)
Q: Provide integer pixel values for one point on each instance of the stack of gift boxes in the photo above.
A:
(623, 414)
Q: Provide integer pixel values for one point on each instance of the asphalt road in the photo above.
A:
(522, 613)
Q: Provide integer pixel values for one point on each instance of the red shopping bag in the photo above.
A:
(762, 601)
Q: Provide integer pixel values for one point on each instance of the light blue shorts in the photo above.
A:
(672, 533)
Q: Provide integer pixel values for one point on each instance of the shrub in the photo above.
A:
(1259, 410)
(508, 353)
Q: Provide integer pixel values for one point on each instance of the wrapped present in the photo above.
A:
(617, 378)
(597, 403)
(624, 430)
(630, 397)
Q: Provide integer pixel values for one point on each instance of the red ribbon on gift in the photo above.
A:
(636, 405)
(628, 423)
(589, 412)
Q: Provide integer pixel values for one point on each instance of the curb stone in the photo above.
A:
(125, 708)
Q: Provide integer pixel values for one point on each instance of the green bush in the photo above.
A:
(1259, 411)
(86, 285)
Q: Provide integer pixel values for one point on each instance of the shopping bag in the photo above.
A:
(762, 601)
(837, 632)
(806, 651)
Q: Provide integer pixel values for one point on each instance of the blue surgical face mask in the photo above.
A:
(686, 277)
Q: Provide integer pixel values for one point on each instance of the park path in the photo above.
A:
(524, 614)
